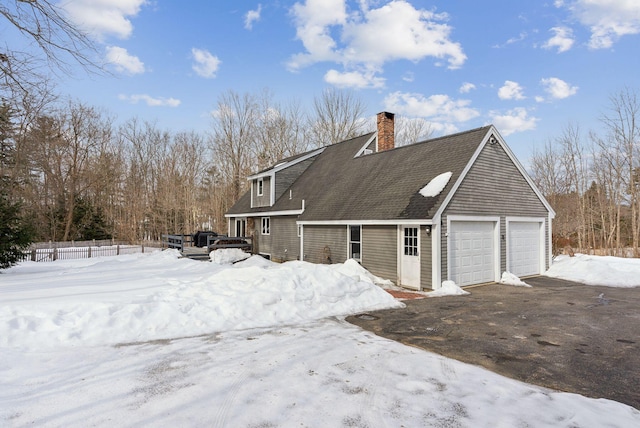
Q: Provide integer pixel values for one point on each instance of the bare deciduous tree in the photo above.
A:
(58, 43)
(62, 148)
(233, 135)
(338, 116)
(622, 123)
(595, 188)
(411, 130)
(280, 132)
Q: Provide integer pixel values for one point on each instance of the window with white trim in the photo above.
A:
(355, 242)
(260, 187)
(266, 225)
(411, 241)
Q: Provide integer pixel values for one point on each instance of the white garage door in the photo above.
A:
(471, 252)
(523, 247)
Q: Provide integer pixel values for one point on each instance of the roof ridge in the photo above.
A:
(442, 137)
(351, 139)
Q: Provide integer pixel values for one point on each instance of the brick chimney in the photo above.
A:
(385, 131)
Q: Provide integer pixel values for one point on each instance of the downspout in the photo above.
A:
(302, 236)
(550, 242)
(436, 258)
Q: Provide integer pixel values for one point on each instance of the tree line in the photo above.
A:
(69, 172)
(593, 181)
(78, 175)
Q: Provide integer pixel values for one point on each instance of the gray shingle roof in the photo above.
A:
(378, 186)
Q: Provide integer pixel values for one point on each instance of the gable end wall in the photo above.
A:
(261, 201)
(494, 187)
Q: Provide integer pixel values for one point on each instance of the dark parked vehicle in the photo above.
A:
(231, 242)
(200, 238)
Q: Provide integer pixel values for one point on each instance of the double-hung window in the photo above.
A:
(355, 242)
(260, 187)
(266, 225)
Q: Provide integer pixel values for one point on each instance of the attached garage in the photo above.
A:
(525, 246)
(454, 208)
(473, 251)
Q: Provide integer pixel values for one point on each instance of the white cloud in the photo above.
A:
(205, 64)
(608, 20)
(105, 17)
(510, 91)
(512, 40)
(313, 22)
(516, 120)
(367, 38)
(438, 108)
(149, 100)
(251, 17)
(562, 39)
(466, 88)
(123, 61)
(353, 79)
(558, 88)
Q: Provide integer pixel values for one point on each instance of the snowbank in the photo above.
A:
(510, 279)
(449, 288)
(227, 256)
(597, 270)
(355, 269)
(159, 295)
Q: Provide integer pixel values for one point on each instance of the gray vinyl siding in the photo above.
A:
(286, 177)
(264, 200)
(284, 242)
(426, 279)
(253, 224)
(380, 251)
(493, 187)
(263, 242)
(316, 238)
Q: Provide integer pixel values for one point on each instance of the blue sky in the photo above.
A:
(529, 67)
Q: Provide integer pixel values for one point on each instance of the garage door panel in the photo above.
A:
(472, 252)
(524, 248)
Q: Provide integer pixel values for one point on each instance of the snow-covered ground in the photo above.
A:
(154, 340)
(597, 270)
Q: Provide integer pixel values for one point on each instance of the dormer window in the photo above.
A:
(260, 187)
(369, 147)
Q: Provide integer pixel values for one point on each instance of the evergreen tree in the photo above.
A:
(15, 233)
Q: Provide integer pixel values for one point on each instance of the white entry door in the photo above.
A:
(524, 247)
(471, 252)
(410, 257)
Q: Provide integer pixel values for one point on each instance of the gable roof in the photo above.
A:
(383, 185)
(286, 163)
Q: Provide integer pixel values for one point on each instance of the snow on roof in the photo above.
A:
(436, 185)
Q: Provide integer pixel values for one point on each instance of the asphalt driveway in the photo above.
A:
(558, 334)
